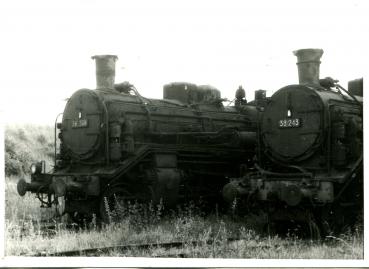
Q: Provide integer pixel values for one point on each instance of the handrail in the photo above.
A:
(56, 122)
(265, 172)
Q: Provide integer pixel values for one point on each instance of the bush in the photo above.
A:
(25, 145)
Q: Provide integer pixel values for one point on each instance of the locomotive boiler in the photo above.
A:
(116, 145)
(309, 166)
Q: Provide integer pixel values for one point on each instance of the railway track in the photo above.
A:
(170, 249)
(175, 249)
(167, 246)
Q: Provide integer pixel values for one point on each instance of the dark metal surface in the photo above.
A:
(293, 102)
(308, 63)
(356, 86)
(105, 71)
(84, 141)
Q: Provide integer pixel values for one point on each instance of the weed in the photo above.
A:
(134, 223)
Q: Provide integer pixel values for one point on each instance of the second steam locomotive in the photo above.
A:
(309, 153)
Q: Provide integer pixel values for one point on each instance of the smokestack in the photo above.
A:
(105, 70)
(308, 63)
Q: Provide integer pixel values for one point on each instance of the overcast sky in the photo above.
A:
(47, 46)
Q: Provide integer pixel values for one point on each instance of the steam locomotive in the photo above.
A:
(116, 143)
(309, 165)
(295, 156)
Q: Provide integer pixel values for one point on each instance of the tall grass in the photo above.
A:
(142, 225)
(136, 224)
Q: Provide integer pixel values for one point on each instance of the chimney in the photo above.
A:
(105, 71)
(308, 63)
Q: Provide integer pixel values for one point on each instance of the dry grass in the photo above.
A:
(24, 236)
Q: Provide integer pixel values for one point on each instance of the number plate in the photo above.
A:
(289, 123)
(81, 123)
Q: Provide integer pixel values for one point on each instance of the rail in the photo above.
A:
(165, 245)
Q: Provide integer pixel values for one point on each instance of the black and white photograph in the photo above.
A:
(183, 133)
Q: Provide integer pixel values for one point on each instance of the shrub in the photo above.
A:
(41, 139)
(25, 145)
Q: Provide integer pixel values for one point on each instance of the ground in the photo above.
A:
(25, 235)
